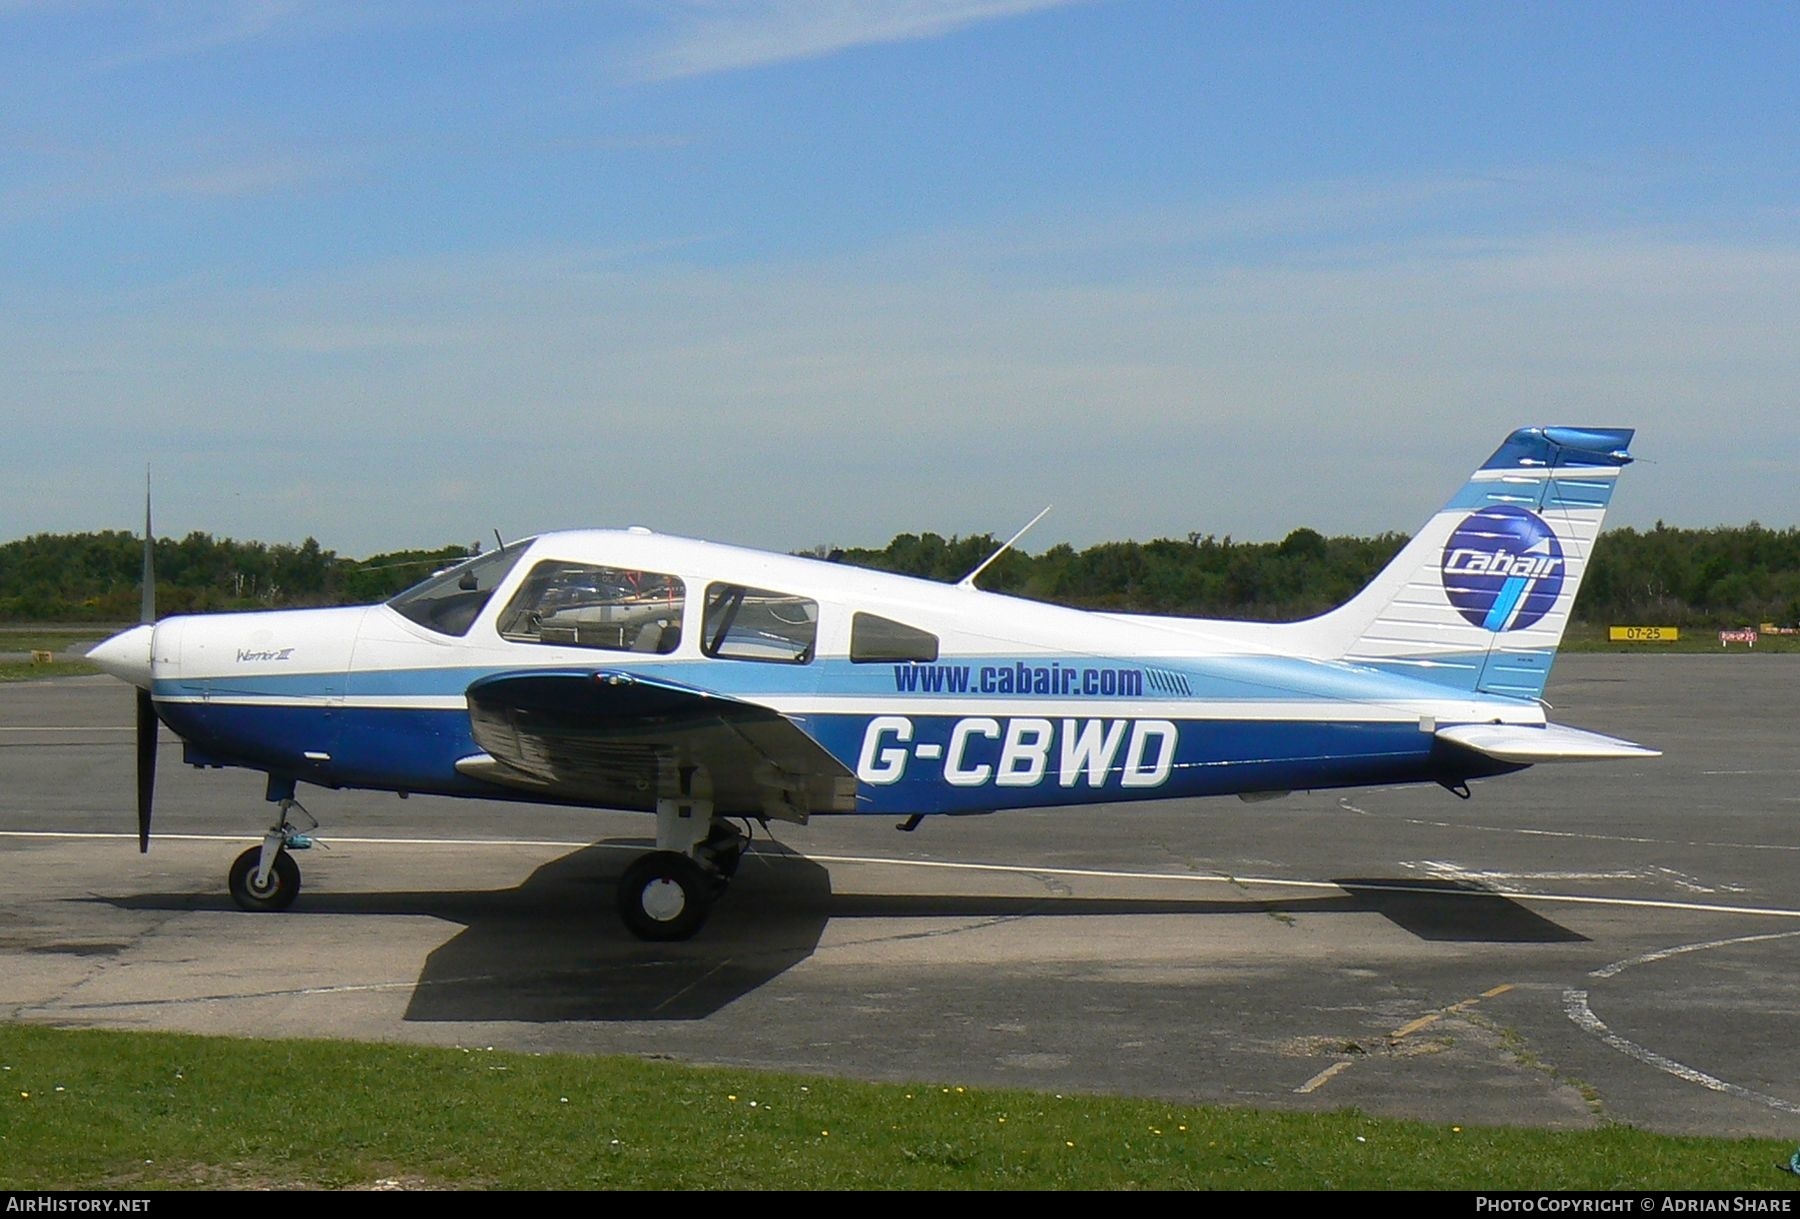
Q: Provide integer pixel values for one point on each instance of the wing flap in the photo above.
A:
(616, 739)
(1529, 743)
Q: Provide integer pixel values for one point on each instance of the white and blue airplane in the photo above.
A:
(624, 669)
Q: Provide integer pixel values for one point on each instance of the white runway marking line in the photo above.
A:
(1575, 1004)
(1663, 954)
(348, 988)
(1531, 833)
(1444, 870)
(1577, 1008)
(1693, 884)
(1315, 885)
(256, 837)
(1186, 878)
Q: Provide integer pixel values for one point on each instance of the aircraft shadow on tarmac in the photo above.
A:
(552, 949)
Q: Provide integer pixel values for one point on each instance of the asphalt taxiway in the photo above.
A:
(1575, 944)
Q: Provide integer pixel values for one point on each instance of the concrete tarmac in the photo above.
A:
(1576, 944)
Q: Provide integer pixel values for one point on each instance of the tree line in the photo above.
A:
(94, 577)
(1662, 576)
(1658, 576)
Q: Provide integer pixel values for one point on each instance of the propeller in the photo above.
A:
(146, 707)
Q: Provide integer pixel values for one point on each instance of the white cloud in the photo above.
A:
(792, 403)
(197, 29)
(704, 38)
(118, 176)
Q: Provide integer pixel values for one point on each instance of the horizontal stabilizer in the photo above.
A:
(1550, 743)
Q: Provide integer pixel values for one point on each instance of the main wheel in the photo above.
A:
(664, 896)
(278, 894)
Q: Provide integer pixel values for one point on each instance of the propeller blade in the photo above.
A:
(146, 707)
(147, 603)
(146, 766)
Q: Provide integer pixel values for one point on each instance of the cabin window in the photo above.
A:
(758, 624)
(580, 605)
(874, 638)
(450, 601)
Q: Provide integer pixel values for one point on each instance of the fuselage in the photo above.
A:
(937, 698)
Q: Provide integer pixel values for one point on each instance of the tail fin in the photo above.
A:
(1479, 599)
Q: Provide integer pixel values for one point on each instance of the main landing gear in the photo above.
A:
(266, 877)
(663, 896)
(667, 894)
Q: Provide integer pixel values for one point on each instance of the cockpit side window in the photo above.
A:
(758, 624)
(586, 606)
(450, 601)
(874, 638)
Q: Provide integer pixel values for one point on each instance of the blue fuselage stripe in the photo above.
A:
(947, 765)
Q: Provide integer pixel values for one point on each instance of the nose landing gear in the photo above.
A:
(266, 878)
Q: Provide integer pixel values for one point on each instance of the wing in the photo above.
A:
(616, 739)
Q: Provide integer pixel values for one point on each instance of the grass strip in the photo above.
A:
(101, 1109)
(51, 639)
(25, 670)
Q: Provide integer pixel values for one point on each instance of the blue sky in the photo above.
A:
(788, 273)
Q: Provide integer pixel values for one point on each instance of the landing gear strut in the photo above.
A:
(667, 894)
(266, 878)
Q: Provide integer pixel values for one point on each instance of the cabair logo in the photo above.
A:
(1503, 568)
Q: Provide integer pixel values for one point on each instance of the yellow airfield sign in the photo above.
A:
(1643, 634)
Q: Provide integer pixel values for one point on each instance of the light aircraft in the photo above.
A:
(624, 669)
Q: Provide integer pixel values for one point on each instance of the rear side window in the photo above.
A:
(582, 605)
(874, 638)
(758, 624)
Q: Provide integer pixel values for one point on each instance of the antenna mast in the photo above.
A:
(968, 581)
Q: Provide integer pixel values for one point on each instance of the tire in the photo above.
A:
(279, 894)
(664, 896)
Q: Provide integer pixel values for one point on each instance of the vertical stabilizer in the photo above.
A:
(1479, 599)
